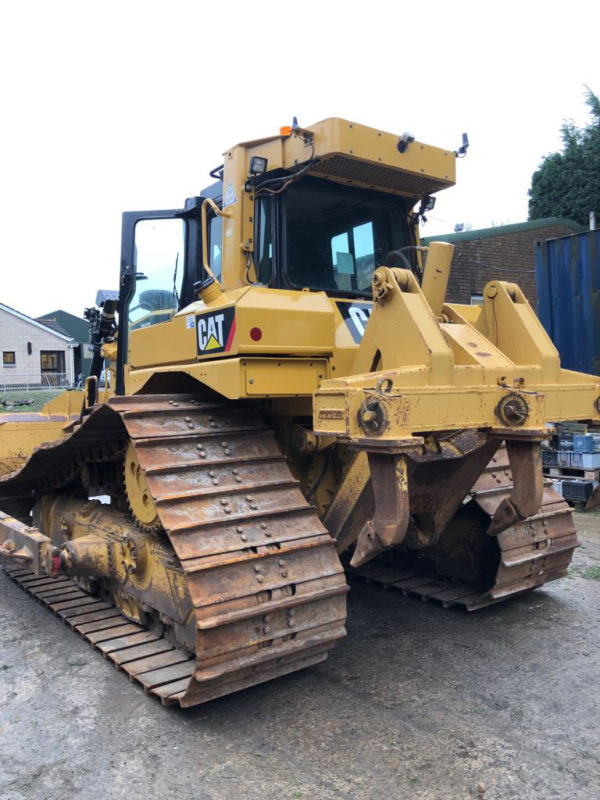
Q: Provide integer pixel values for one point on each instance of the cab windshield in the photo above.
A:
(335, 236)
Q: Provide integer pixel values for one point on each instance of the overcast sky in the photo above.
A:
(112, 106)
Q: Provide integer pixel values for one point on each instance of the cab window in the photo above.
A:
(159, 268)
(336, 237)
(215, 245)
(265, 222)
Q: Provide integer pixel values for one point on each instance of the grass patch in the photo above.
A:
(589, 573)
(9, 401)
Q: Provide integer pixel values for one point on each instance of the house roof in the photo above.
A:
(502, 230)
(36, 323)
(52, 323)
(77, 327)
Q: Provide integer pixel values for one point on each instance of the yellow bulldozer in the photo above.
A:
(292, 399)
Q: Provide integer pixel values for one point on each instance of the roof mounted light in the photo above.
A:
(404, 141)
(258, 165)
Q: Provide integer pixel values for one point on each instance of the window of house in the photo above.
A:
(9, 359)
(476, 299)
(52, 360)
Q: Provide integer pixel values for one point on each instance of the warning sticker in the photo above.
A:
(215, 331)
(356, 316)
(230, 197)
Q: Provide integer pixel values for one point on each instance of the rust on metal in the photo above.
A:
(524, 556)
(266, 588)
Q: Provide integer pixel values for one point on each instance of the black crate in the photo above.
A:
(577, 490)
(549, 458)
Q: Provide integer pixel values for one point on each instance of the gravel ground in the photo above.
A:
(417, 702)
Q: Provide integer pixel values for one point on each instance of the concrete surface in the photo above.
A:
(417, 702)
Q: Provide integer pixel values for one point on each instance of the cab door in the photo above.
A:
(155, 279)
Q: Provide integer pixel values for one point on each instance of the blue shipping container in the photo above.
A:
(567, 272)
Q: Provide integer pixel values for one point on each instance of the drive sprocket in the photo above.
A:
(139, 499)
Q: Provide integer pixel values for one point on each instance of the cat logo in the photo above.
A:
(215, 331)
(356, 316)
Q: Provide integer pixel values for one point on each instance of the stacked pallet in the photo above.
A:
(572, 459)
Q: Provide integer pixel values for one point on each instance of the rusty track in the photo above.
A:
(266, 584)
(531, 553)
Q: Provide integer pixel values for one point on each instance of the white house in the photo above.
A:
(33, 353)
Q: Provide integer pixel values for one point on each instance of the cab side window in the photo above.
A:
(215, 245)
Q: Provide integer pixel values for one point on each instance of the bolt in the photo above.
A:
(234, 471)
(227, 510)
(238, 480)
(267, 629)
(260, 578)
(284, 573)
(291, 612)
(200, 446)
(215, 482)
(266, 618)
(239, 530)
(290, 623)
(212, 473)
(253, 506)
(256, 568)
(249, 498)
(281, 562)
(243, 537)
(227, 452)
(213, 424)
(202, 454)
(224, 501)
(188, 419)
(263, 525)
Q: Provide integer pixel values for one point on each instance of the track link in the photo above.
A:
(266, 584)
(151, 660)
(531, 553)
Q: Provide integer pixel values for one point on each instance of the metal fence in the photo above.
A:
(29, 383)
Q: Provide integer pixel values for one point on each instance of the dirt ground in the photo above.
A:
(416, 702)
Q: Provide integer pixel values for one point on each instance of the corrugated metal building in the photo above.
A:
(568, 277)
